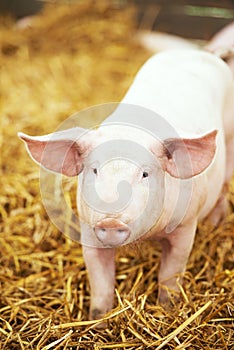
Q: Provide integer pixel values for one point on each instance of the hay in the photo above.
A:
(75, 56)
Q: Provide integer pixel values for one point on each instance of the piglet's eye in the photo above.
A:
(95, 171)
(145, 174)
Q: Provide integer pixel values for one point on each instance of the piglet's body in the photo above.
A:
(169, 173)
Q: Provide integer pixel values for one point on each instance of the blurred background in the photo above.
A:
(188, 18)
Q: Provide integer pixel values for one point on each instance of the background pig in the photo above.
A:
(222, 44)
(164, 148)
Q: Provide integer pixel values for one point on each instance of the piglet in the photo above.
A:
(153, 168)
(222, 44)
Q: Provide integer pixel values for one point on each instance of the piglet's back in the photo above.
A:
(186, 87)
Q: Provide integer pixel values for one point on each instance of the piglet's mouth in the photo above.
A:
(112, 232)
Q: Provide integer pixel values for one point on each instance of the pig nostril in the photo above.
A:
(114, 234)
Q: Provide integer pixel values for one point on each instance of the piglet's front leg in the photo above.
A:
(176, 248)
(100, 264)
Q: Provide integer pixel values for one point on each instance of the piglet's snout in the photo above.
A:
(112, 232)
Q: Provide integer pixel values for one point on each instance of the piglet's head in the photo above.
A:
(120, 198)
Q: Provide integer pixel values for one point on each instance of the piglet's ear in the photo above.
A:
(185, 158)
(61, 152)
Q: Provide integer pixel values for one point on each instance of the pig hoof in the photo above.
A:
(96, 314)
(168, 300)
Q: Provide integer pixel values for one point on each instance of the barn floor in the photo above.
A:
(71, 58)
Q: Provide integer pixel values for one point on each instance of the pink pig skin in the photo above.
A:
(193, 90)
